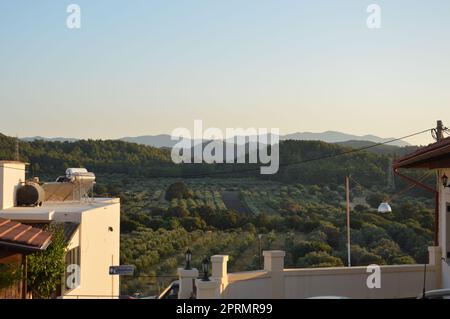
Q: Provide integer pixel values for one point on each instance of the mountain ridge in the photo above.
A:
(165, 141)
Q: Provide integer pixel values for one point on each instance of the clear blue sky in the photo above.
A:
(146, 67)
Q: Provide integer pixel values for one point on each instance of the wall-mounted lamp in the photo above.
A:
(445, 181)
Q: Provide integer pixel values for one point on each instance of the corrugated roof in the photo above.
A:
(436, 155)
(69, 230)
(23, 236)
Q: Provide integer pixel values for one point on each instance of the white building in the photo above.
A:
(91, 227)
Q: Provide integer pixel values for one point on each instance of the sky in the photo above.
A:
(147, 67)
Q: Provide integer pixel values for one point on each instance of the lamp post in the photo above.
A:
(205, 269)
(260, 250)
(188, 257)
(347, 197)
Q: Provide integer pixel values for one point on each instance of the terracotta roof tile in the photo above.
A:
(14, 233)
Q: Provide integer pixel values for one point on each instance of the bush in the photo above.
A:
(178, 190)
(46, 268)
(319, 259)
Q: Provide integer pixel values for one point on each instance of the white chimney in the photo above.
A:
(12, 174)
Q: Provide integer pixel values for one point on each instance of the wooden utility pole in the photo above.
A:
(347, 191)
(439, 131)
(439, 137)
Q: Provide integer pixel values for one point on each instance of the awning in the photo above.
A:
(25, 237)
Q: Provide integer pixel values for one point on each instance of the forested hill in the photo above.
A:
(113, 156)
(319, 165)
(108, 156)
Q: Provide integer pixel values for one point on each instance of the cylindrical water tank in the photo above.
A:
(30, 194)
(72, 171)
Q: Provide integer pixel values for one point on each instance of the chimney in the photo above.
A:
(12, 174)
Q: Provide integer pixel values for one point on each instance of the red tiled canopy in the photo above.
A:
(23, 236)
(433, 156)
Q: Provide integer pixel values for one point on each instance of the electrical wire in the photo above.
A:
(351, 151)
(421, 179)
(314, 159)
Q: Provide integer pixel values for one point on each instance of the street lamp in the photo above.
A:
(445, 181)
(188, 256)
(205, 269)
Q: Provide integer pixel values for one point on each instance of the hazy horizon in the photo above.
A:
(149, 67)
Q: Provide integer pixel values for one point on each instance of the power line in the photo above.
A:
(421, 179)
(248, 170)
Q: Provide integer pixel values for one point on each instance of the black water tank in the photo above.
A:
(30, 194)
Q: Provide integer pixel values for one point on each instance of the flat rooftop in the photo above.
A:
(67, 210)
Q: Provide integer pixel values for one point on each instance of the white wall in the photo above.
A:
(403, 281)
(11, 175)
(444, 229)
(247, 285)
(100, 249)
(396, 281)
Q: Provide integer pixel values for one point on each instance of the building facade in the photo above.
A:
(91, 229)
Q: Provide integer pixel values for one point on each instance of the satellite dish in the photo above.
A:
(384, 208)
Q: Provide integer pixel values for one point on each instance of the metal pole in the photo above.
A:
(347, 189)
(260, 251)
(439, 131)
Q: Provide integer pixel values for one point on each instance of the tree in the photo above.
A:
(362, 257)
(46, 268)
(304, 247)
(9, 275)
(178, 190)
(319, 259)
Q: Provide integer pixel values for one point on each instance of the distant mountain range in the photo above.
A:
(165, 141)
(49, 139)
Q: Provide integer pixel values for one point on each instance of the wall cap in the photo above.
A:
(219, 258)
(274, 253)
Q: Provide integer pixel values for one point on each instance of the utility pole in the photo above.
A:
(17, 156)
(347, 191)
(439, 131)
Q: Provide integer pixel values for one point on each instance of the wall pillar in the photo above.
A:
(207, 289)
(274, 263)
(435, 259)
(186, 278)
(219, 271)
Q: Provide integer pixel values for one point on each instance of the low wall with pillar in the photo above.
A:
(396, 281)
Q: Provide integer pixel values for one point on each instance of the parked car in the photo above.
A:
(436, 294)
(327, 297)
